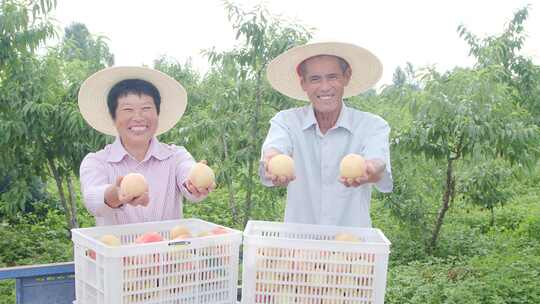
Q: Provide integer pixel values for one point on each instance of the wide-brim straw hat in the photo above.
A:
(282, 72)
(94, 91)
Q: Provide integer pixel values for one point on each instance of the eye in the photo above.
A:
(129, 110)
(314, 79)
(148, 108)
(332, 76)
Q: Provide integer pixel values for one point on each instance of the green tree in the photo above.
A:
(246, 95)
(516, 70)
(467, 116)
(45, 134)
(23, 28)
(79, 44)
(485, 185)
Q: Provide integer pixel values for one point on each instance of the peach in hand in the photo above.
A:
(281, 165)
(201, 176)
(352, 166)
(133, 184)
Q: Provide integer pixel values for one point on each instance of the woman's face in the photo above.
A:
(136, 119)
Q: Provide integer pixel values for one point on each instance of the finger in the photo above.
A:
(119, 180)
(124, 198)
(145, 199)
(191, 188)
(283, 179)
(202, 191)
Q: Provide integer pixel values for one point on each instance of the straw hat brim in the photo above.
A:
(93, 97)
(365, 66)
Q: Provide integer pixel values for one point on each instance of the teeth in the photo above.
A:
(136, 129)
(325, 97)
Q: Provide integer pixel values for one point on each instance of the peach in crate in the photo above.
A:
(150, 266)
(298, 263)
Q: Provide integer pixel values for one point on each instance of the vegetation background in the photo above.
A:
(464, 217)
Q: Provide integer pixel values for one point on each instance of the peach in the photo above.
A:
(281, 165)
(346, 237)
(179, 230)
(110, 240)
(204, 233)
(201, 176)
(91, 253)
(219, 230)
(133, 184)
(352, 166)
(149, 237)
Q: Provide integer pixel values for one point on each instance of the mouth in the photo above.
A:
(326, 97)
(138, 129)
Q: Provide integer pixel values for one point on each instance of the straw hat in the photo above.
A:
(283, 76)
(94, 91)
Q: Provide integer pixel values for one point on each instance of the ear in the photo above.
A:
(347, 75)
(303, 83)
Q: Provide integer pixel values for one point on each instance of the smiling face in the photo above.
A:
(324, 82)
(136, 119)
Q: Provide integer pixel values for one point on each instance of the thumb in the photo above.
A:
(119, 180)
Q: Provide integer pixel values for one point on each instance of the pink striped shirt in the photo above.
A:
(165, 168)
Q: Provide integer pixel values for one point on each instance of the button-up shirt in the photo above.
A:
(165, 168)
(316, 196)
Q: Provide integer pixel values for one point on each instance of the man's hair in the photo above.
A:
(343, 64)
(131, 86)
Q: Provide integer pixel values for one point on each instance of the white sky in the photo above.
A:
(422, 32)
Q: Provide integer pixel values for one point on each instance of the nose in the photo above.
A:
(138, 115)
(325, 85)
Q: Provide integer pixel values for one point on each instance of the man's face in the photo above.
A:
(324, 83)
(136, 119)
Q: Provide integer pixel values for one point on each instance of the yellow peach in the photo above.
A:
(179, 230)
(201, 176)
(346, 237)
(281, 165)
(133, 184)
(352, 166)
(110, 240)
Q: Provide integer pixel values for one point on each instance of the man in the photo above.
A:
(135, 104)
(319, 135)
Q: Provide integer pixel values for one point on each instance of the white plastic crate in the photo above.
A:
(192, 271)
(297, 263)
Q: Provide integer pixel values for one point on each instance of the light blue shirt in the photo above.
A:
(316, 196)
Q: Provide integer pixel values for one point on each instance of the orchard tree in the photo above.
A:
(504, 51)
(468, 116)
(44, 133)
(24, 27)
(486, 185)
(244, 102)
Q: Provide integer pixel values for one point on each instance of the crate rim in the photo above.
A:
(251, 223)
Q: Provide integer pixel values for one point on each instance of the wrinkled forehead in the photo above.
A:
(301, 67)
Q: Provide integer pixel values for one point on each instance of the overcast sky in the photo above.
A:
(422, 32)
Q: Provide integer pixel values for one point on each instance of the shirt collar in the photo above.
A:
(344, 119)
(156, 150)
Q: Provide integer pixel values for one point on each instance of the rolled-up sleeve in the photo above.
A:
(94, 182)
(378, 147)
(184, 163)
(278, 138)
